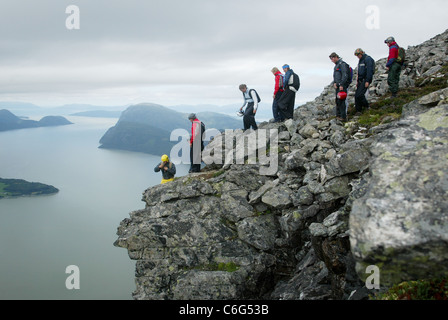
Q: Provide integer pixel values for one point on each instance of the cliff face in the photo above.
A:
(342, 199)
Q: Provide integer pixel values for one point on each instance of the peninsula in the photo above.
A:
(17, 187)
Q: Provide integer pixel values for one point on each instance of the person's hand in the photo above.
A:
(367, 84)
(341, 88)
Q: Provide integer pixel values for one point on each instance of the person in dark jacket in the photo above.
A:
(288, 98)
(168, 169)
(340, 83)
(393, 66)
(366, 69)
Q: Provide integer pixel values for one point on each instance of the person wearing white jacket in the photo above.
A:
(251, 99)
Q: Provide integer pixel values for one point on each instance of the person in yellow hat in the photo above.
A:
(168, 169)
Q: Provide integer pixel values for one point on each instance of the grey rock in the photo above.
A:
(400, 222)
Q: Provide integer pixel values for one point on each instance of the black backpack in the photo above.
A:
(295, 81)
(350, 73)
(256, 93)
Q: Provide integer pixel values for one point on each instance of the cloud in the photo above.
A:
(196, 51)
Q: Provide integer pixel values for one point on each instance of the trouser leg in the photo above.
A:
(249, 118)
(275, 110)
(360, 97)
(341, 107)
(393, 78)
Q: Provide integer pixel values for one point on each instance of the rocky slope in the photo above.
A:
(339, 202)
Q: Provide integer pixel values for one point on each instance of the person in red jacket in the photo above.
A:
(196, 143)
(278, 91)
(393, 66)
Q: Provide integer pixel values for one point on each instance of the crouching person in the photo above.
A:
(168, 169)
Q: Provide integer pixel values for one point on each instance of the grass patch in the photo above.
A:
(388, 109)
(227, 267)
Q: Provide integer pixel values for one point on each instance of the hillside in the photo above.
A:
(344, 201)
(147, 128)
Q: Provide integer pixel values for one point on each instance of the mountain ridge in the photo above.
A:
(146, 127)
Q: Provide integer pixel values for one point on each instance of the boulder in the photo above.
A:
(400, 224)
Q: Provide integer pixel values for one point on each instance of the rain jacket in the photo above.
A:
(393, 54)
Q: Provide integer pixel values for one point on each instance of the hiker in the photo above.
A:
(196, 143)
(290, 86)
(278, 91)
(251, 100)
(341, 80)
(168, 169)
(366, 69)
(393, 66)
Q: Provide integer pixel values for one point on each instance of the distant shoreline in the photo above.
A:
(14, 188)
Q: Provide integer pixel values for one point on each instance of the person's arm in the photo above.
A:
(254, 97)
(277, 83)
(393, 55)
(157, 168)
(171, 170)
(369, 70)
(344, 74)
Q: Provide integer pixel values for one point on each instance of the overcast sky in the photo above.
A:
(192, 51)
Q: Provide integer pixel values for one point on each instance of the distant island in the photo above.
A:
(147, 127)
(9, 121)
(18, 187)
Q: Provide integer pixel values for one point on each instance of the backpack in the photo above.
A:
(401, 55)
(295, 81)
(350, 74)
(281, 81)
(256, 93)
(202, 130)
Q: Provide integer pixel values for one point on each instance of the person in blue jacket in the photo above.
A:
(366, 69)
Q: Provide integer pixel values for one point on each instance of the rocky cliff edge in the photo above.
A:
(343, 198)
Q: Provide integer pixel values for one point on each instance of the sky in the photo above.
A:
(196, 52)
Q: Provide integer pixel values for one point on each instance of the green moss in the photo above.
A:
(433, 119)
(221, 266)
(432, 289)
(218, 173)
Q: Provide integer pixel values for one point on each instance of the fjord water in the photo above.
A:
(41, 236)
